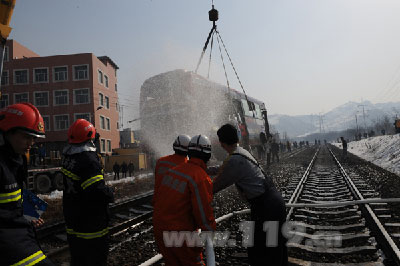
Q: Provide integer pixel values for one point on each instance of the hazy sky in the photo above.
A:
(298, 56)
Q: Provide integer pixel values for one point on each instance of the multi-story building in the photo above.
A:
(64, 88)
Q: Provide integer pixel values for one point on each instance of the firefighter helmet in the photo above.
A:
(181, 143)
(22, 116)
(80, 131)
(200, 143)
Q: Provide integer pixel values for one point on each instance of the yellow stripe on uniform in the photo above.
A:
(9, 197)
(91, 181)
(70, 174)
(31, 260)
(88, 235)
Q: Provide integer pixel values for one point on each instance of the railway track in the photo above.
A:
(124, 215)
(328, 227)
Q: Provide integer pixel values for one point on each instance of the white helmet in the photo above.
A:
(181, 143)
(200, 143)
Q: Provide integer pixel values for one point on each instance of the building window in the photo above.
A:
(101, 99)
(117, 125)
(4, 100)
(108, 145)
(100, 76)
(61, 122)
(102, 122)
(81, 96)
(6, 54)
(46, 120)
(102, 145)
(21, 97)
(4, 78)
(21, 76)
(81, 72)
(108, 123)
(107, 102)
(40, 75)
(60, 73)
(106, 81)
(116, 87)
(41, 98)
(85, 116)
(61, 97)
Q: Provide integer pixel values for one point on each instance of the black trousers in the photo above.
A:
(88, 252)
(268, 207)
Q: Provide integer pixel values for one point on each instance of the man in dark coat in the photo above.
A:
(85, 197)
(131, 168)
(20, 125)
(116, 168)
(124, 169)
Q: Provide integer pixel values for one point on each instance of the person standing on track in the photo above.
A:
(267, 204)
(20, 125)
(86, 197)
(344, 145)
(183, 206)
(274, 151)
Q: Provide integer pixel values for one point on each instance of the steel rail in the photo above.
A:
(300, 185)
(388, 242)
(115, 207)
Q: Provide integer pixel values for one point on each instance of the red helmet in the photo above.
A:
(24, 116)
(80, 131)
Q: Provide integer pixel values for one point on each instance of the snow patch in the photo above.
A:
(383, 151)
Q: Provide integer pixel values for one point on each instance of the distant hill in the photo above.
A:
(340, 118)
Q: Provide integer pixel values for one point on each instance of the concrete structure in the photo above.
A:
(128, 138)
(64, 88)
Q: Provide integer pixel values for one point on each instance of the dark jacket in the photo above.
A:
(124, 167)
(131, 167)
(86, 196)
(17, 238)
(13, 172)
(116, 167)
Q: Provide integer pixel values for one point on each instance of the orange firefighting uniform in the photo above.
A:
(183, 204)
(162, 166)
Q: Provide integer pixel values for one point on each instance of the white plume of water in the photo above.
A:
(181, 102)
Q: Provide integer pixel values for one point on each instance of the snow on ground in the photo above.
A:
(56, 194)
(383, 151)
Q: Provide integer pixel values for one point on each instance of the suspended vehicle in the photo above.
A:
(183, 102)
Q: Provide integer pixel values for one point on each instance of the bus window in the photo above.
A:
(246, 108)
(258, 111)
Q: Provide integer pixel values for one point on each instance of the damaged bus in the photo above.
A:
(182, 102)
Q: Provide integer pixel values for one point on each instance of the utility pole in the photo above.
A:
(365, 125)
(357, 124)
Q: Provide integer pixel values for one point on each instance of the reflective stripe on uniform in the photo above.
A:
(162, 170)
(31, 260)
(91, 181)
(168, 162)
(9, 197)
(70, 174)
(202, 213)
(88, 235)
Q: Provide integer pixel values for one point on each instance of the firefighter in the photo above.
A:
(184, 205)
(20, 125)
(180, 147)
(266, 203)
(86, 197)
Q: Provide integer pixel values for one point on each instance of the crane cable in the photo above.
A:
(213, 16)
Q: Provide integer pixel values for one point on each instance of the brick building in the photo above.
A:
(64, 88)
